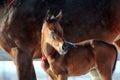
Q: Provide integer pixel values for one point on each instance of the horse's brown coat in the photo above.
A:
(21, 23)
(79, 59)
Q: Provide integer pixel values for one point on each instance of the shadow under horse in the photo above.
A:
(21, 23)
(62, 58)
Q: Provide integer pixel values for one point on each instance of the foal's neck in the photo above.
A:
(47, 49)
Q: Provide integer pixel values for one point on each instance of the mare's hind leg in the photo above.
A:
(24, 65)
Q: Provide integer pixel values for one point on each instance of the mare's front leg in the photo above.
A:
(24, 65)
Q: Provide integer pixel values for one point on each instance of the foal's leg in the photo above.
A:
(49, 78)
(105, 69)
(94, 74)
(24, 65)
(52, 76)
(106, 74)
(46, 68)
(62, 77)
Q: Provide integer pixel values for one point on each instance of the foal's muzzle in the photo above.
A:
(65, 48)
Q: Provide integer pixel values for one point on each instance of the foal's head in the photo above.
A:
(52, 33)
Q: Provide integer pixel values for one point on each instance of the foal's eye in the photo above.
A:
(53, 35)
(53, 32)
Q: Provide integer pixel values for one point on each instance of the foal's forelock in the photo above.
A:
(53, 26)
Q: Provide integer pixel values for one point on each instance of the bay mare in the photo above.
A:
(62, 58)
(21, 22)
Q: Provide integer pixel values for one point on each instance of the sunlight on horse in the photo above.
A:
(62, 58)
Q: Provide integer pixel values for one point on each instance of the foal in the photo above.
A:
(62, 59)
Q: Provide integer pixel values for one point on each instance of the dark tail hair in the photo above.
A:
(115, 58)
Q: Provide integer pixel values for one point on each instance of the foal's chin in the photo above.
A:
(62, 52)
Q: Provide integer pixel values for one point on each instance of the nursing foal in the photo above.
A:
(62, 59)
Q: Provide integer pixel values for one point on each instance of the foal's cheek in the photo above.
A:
(56, 43)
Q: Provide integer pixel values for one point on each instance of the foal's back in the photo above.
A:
(89, 54)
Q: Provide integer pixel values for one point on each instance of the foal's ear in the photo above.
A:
(59, 16)
(47, 17)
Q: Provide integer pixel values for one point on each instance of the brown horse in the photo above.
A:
(62, 59)
(21, 22)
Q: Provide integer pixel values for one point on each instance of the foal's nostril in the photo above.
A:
(64, 47)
